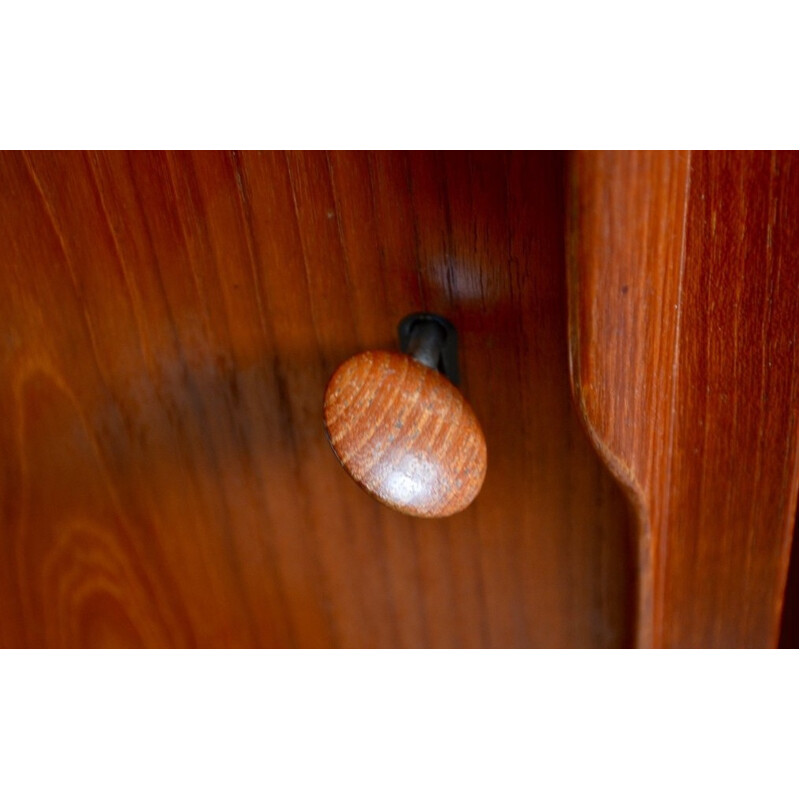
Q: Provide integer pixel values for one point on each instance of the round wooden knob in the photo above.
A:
(405, 434)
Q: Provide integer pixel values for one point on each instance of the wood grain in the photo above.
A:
(405, 434)
(169, 323)
(683, 329)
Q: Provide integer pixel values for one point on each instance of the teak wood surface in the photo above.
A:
(683, 330)
(170, 321)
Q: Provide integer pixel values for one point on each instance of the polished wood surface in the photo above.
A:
(405, 434)
(683, 331)
(169, 323)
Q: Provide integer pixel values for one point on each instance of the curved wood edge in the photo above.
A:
(683, 358)
(625, 255)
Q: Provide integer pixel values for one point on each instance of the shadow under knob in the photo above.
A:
(405, 434)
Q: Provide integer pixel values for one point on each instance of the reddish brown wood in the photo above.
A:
(683, 327)
(169, 324)
(405, 434)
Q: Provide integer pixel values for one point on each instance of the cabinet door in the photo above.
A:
(170, 321)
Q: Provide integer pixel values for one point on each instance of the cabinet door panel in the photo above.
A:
(169, 324)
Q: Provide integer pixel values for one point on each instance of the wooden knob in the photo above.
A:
(404, 432)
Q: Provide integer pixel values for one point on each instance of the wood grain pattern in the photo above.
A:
(405, 434)
(683, 325)
(169, 323)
